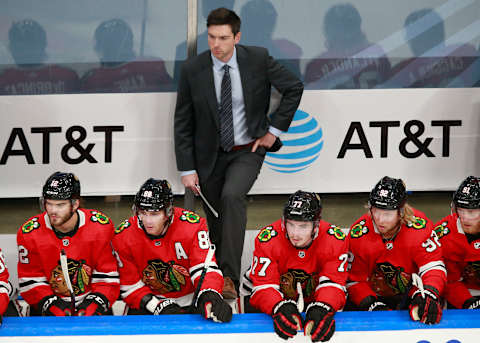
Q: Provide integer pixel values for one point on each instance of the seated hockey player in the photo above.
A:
(396, 259)
(66, 266)
(459, 235)
(298, 260)
(162, 252)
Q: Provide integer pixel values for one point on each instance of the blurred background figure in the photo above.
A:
(259, 19)
(120, 70)
(202, 38)
(434, 64)
(31, 75)
(350, 60)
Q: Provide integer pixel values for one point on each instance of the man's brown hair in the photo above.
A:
(224, 16)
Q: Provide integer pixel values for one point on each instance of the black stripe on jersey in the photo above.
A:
(437, 266)
(326, 281)
(30, 282)
(104, 276)
(247, 288)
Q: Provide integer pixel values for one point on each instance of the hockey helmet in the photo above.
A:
(468, 194)
(303, 206)
(61, 186)
(388, 194)
(154, 195)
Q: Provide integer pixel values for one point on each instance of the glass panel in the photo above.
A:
(89, 46)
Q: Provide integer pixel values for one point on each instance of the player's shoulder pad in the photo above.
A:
(442, 228)
(189, 217)
(98, 217)
(336, 232)
(31, 224)
(123, 225)
(266, 234)
(418, 223)
(359, 229)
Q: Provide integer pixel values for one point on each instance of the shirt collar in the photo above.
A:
(232, 62)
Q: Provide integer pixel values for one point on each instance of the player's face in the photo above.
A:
(387, 221)
(470, 219)
(221, 41)
(59, 211)
(299, 232)
(153, 221)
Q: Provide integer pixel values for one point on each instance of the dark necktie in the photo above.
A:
(226, 115)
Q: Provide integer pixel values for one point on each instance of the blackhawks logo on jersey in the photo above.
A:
(442, 230)
(267, 234)
(123, 225)
(289, 281)
(388, 280)
(189, 216)
(80, 275)
(358, 230)
(31, 225)
(471, 274)
(336, 232)
(164, 277)
(418, 223)
(99, 217)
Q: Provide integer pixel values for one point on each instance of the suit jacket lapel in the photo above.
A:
(245, 75)
(206, 77)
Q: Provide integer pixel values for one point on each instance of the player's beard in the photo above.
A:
(60, 219)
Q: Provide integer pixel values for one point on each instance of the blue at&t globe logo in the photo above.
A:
(301, 145)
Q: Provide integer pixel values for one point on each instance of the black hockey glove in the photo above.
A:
(319, 322)
(426, 309)
(286, 319)
(94, 304)
(371, 303)
(211, 305)
(52, 305)
(156, 305)
(472, 304)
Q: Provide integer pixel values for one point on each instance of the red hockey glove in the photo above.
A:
(426, 309)
(212, 305)
(472, 304)
(52, 305)
(371, 303)
(319, 322)
(286, 319)
(156, 305)
(94, 304)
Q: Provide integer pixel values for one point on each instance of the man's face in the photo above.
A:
(59, 211)
(299, 232)
(387, 221)
(153, 221)
(470, 219)
(221, 41)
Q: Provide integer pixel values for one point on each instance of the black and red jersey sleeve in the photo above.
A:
(5, 286)
(199, 247)
(265, 276)
(333, 274)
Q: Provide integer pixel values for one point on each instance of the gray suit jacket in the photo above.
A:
(196, 122)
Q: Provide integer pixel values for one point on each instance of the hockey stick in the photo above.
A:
(64, 265)
(206, 264)
(300, 302)
(215, 213)
(417, 281)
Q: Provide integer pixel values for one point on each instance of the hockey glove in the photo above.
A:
(371, 303)
(212, 305)
(156, 305)
(286, 319)
(472, 304)
(94, 304)
(52, 305)
(319, 322)
(426, 309)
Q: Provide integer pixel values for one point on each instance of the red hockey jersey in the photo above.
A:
(91, 264)
(278, 267)
(384, 269)
(462, 260)
(45, 79)
(169, 266)
(137, 76)
(5, 287)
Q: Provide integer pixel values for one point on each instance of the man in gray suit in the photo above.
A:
(222, 131)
